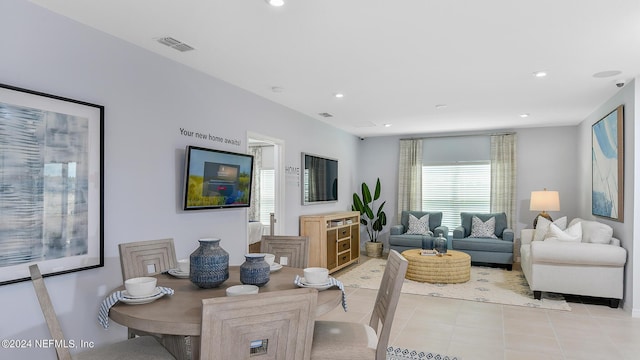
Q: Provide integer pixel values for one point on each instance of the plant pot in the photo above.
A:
(374, 249)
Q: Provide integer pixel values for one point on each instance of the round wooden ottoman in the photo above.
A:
(452, 268)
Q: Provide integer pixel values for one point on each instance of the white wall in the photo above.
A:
(147, 100)
(627, 96)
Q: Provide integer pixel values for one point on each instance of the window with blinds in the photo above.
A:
(267, 195)
(456, 188)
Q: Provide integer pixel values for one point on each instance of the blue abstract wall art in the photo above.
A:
(607, 158)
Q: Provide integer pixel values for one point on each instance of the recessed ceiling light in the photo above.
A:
(276, 3)
(339, 95)
(607, 73)
(540, 74)
(387, 125)
(524, 115)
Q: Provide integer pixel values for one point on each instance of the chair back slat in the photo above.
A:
(49, 313)
(294, 248)
(147, 258)
(387, 300)
(273, 325)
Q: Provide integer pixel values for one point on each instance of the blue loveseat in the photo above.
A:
(497, 250)
(400, 241)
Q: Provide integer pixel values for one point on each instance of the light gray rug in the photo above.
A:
(493, 285)
(394, 353)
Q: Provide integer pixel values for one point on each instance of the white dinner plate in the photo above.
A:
(275, 267)
(128, 299)
(179, 274)
(324, 286)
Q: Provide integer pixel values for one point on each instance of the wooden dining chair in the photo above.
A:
(343, 340)
(295, 249)
(143, 348)
(147, 258)
(272, 325)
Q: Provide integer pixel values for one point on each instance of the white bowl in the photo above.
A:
(269, 258)
(316, 275)
(183, 265)
(237, 290)
(140, 286)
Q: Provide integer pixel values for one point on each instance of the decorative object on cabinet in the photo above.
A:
(209, 264)
(607, 150)
(292, 251)
(51, 203)
(332, 247)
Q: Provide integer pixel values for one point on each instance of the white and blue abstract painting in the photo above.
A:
(607, 163)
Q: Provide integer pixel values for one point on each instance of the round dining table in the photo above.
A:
(179, 315)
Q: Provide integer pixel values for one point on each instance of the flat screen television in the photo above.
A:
(319, 179)
(216, 179)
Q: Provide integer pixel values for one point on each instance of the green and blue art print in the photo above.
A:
(607, 158)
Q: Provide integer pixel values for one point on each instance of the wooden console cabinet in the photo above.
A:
(334, 239)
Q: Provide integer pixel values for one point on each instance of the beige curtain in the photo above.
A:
(503, 176)
(254, 210)
(410, 176)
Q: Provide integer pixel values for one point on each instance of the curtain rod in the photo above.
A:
(447, 136)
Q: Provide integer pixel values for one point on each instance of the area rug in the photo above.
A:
(492, 285)
(394, 353)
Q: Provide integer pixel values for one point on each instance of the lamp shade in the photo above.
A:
(545, 201)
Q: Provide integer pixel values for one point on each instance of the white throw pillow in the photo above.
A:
(480, 229)
(571, 234)
(419, 226)
(542, 227)
(594, 232)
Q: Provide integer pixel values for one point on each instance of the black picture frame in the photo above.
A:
(51, 184)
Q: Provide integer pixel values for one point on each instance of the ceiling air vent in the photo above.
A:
(325, 114)
(175, 44)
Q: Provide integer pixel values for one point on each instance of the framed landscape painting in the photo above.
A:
(607, 158)
(51, 184)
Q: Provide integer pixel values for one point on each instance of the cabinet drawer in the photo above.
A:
(344, 232)
(344, 245)
(344, 258)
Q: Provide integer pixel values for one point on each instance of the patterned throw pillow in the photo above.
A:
(480, 229)
(419, 226)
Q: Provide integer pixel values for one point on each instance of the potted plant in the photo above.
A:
(374, 222)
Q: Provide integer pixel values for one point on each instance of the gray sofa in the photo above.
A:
(485, 250)
(400, 241)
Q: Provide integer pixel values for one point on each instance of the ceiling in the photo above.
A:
(422, 66)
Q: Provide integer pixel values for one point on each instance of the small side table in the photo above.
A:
(452, 268)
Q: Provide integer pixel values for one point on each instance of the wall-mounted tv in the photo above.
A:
(319, 179)
(216, 179)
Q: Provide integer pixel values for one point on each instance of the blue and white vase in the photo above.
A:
(209, 264)
(254, 271)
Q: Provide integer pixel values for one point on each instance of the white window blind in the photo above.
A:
(456, 188)
(267, 195)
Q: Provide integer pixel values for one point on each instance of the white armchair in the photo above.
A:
(590, 267)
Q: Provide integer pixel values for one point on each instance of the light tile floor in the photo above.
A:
(477, 331)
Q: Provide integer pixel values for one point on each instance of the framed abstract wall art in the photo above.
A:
(51, 184)
(607, 166)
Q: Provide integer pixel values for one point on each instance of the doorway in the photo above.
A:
(269, 182)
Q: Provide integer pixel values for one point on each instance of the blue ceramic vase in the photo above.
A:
(209, 264)
(254, 271)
